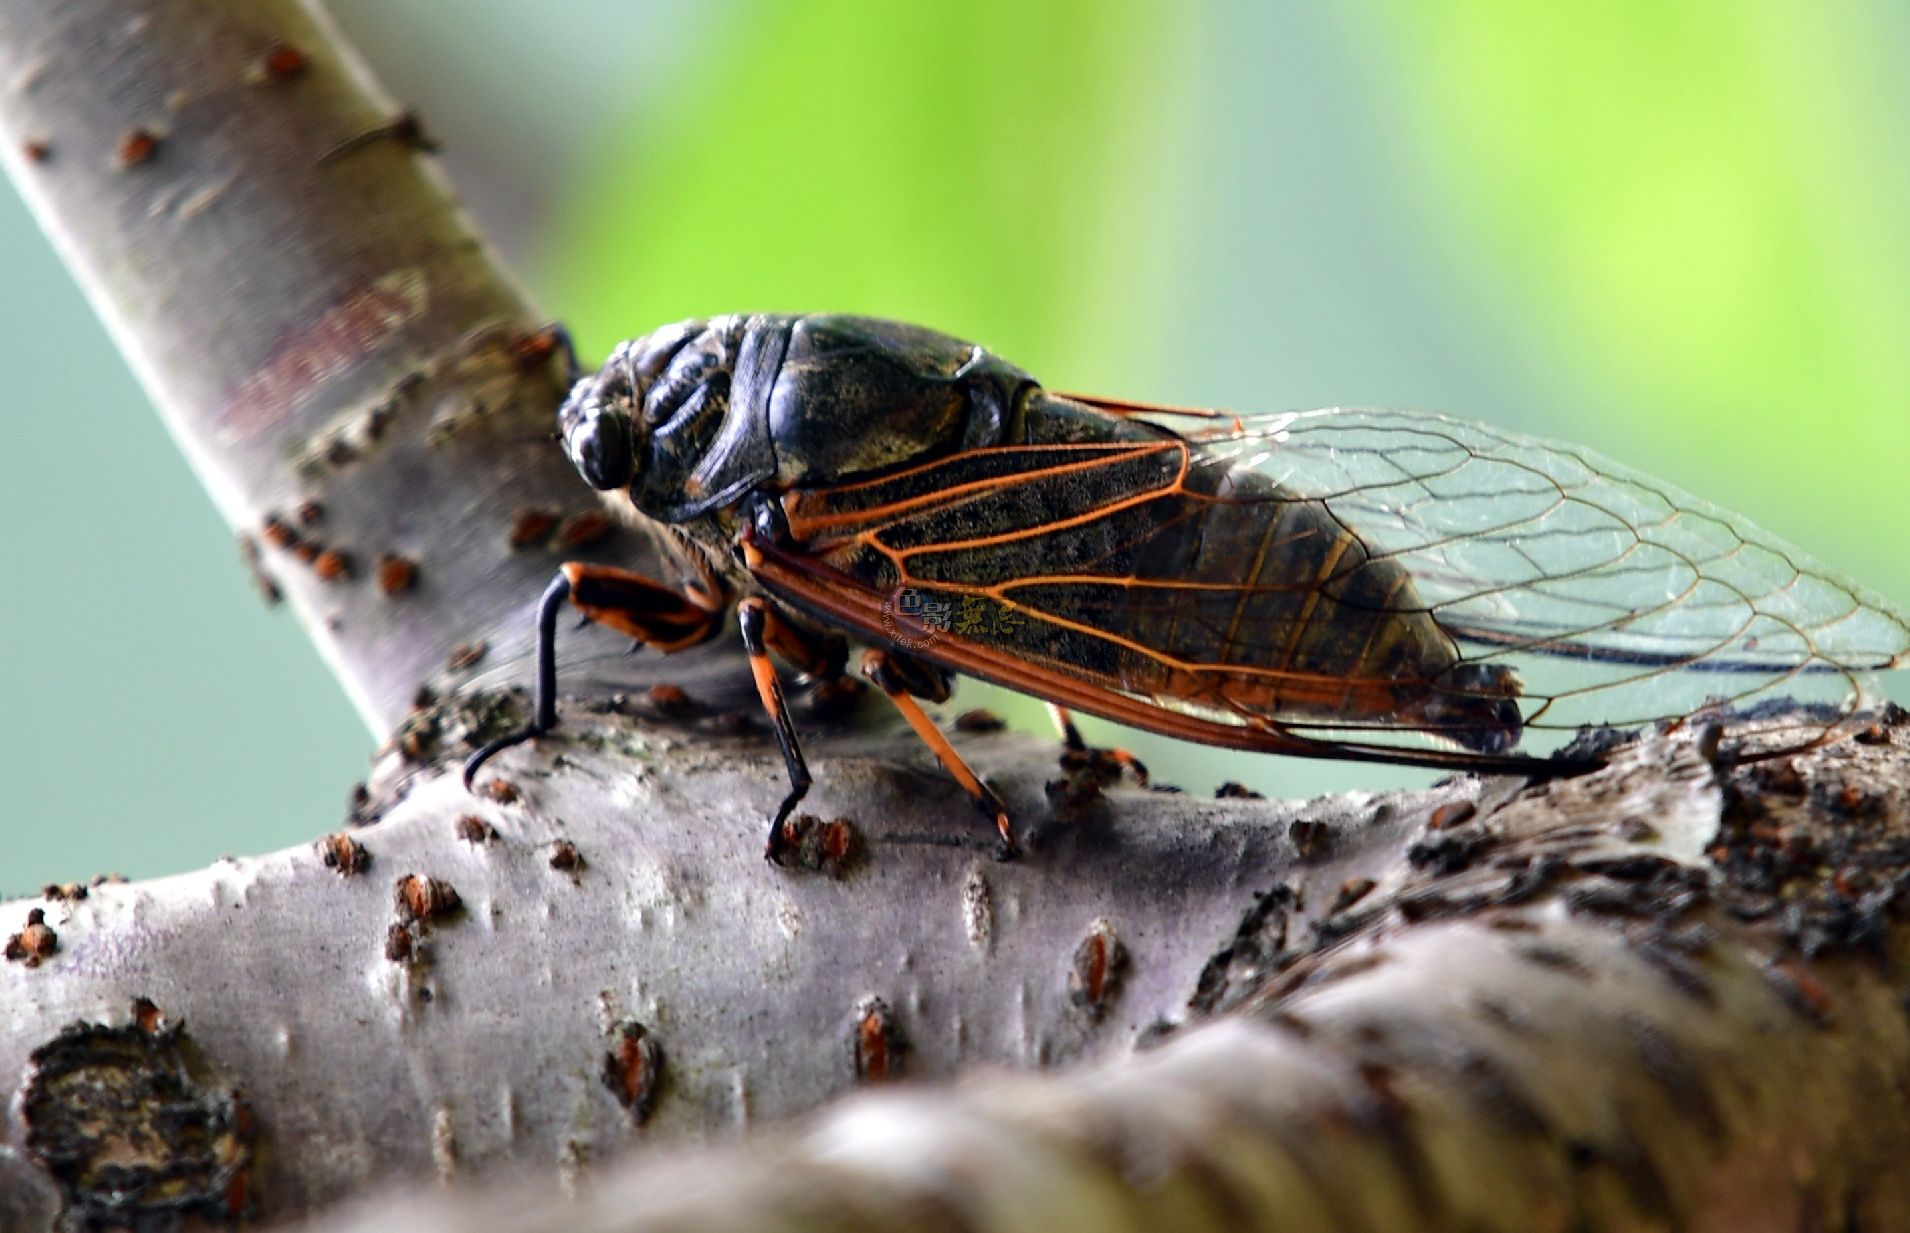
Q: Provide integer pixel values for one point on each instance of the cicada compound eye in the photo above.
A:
(596, 437)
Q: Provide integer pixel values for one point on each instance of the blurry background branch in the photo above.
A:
(354, 379)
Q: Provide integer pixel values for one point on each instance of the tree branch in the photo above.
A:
(316, 321)
(366, 1031)
(1649, 996)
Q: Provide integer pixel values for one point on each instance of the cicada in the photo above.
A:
(1357, 584)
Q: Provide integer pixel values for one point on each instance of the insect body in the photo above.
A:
(1371, 585)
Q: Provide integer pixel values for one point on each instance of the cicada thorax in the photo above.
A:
(733, 405)
(1115, 551)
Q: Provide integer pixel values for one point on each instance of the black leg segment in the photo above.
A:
(754, 616)
(545, 716)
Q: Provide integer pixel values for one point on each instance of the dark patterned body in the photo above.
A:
(1374, 585)
(1113, 549)
(985, 510)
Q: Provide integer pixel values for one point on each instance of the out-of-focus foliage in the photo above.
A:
(1702, 208)
(999, 169)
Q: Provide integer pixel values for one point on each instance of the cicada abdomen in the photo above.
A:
(1160, 570)
(1617, 600)
(1361, 580)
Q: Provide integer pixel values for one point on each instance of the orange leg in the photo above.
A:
(1064, 724)
(1078, 754)
(889, 677)
(763, 629)
(819, 658)
(649, 612)
(646, 610)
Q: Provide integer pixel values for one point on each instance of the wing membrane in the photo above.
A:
(1238, 580)
(1618, 598)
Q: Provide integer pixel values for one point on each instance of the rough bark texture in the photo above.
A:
(1660, 996)
(621, 883)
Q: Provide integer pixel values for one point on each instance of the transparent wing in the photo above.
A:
(1616, 598)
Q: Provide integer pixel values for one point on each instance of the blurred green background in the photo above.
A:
(1675, 233)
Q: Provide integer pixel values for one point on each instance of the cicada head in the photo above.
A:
(595, 423)
(654, 399)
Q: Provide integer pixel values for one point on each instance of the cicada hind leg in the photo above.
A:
(901, 679)
(1078, 755)
(904, 680)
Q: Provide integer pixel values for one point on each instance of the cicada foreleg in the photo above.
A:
(653, 614)
(903, 679)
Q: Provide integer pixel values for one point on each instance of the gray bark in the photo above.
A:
(313, 317)
(1657, 996)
